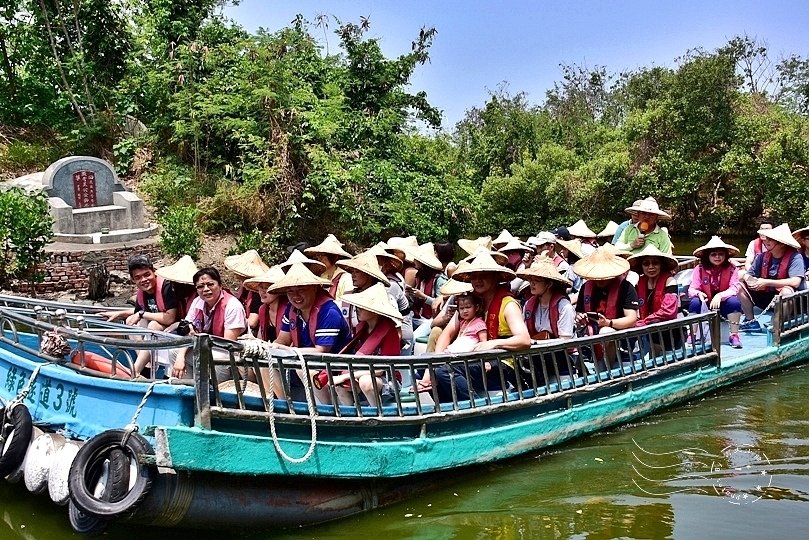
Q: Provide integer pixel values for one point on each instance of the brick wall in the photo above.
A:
(67, 270)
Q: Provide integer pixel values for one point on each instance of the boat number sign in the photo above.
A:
(44, 394)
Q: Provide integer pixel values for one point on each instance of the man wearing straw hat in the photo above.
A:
(633, 220)
(328, 252)
(365, 272)
(647, 230)
(777, 271)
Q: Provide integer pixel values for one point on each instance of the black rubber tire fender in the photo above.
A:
(87, 468)
(15, 436)
(84, 523)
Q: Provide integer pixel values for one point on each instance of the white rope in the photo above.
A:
(25, 391)
(310, 403)
(132, 427)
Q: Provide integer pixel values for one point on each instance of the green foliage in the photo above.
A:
(25, 228)
(265, 244)
(19, 155)
(181, 234)
(170, 184)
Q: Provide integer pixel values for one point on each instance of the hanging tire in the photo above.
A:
(15, 435)
(105, 450)
(84, 523)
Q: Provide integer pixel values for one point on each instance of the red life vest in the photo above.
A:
(158, 296)
(372, 341)
(709, 280)
(758, 246)
(657, 297)
(320, 299)
(246, 297)
(217, 314)
(783, 265)
(335, 282)
(264, 322)
(428, 288)
(493, 313)
(184, 306)
(558, 259)
(609, 308)
(553, 315)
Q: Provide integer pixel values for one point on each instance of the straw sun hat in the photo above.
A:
(603, 263)
(543, 267)
(781, 234)
(366, 263)
(649, 205)
(482, 264)
(248, 264)
(384, 251)
(608, 230)
(581, 230)
(374, 299)
(573, 246)
(500, 258)
(650, 250)
(515, 245)
(297, 276)
(271, 276)
(503, 238)
(472, 246)
(297, 257)
(716, 243)
(180, 272)
(800, 232)
(452, 287)
(402, 247)
(330, 246)
(425, 254)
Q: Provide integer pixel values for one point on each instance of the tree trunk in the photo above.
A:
(98, 286)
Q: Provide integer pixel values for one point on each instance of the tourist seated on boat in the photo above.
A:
(607, 301)
(376, 335)
(445, 252)
(273, 306)
(715, 285)
(328, 252)
(424, 294)
(403, 249)
(587, 237)
(647, 230)
(297, 256)
(155, 303)
(504, 325)
(802, 236)
(571, 251)
(544, 244)
(247, 265)
(390, 265)
(657, 297)
(313, 323)
(756, 246)
(516, 253)
(215, 311)
(466, 328)
(365, 272)
(450, 291)
(549, 315)
(181, 276)
(779, 270)
(633, 219)
(502, 239)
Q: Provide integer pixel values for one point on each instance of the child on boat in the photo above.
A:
(715, 284)
(467, 330)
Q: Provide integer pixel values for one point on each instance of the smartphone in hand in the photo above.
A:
(593, 316)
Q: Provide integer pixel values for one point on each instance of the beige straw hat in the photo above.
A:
(273, 275)
(248, 264)
(366, 263)
(603, 263)
(403, 247)
(800, 232)
(573, 246)
(543, 267)
(716, 243)
(515, 244)
(503, 238)
(483, 263)
(500, 258)
(425, 254)
(634, 208)
(330, 246)
(452, 286)
(608, 230)
(650, 206)
(180, 272)
(297, 257)
(581, 230)
(781, 234)
(650, 250)
(297, 276)
(374, 299)
(472, 246)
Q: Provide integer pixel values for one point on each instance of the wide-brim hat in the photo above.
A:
(573, 246)
(297, 276)
(608, 230)
(716, 243)
(366, 263)
(248, 264)
(650, 206)
(515, 244)
(471, 246)
(781, 234)
(374, 299)
(403, 247)
(483, 263)
(271, 276)
(297, 257)
(634, 208)
(800, 232)
(581, 230)
(180, 272)
(382, 250)
(543, 267)
(499, 258)
(603, 263)
(452, 286)
(425, 254)
(650, 250)
(330, 246)
(503, 238)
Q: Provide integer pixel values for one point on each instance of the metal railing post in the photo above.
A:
(777, 320)
(202, 359)
(716, 337)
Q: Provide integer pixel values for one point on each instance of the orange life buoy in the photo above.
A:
(99, 363)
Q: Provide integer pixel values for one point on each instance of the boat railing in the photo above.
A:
(548, 371)
(22, 304)
(685, 262)
(790, 316)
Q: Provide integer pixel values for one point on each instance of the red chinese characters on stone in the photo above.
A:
(84, 187)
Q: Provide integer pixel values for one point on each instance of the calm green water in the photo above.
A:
(593, 488)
